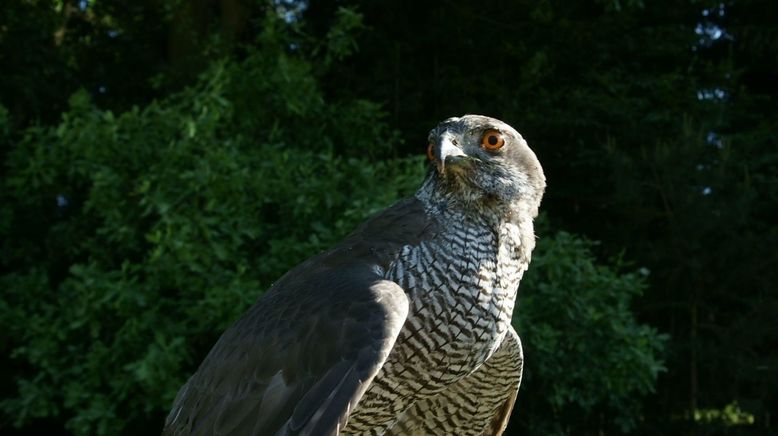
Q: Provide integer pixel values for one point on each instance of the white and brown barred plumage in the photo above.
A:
(402, 329)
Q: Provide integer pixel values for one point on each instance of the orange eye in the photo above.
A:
(431, 152)
(492, 140)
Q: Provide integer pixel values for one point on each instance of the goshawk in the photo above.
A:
(403, 328)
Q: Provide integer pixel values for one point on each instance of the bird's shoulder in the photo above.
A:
(379, 238)
(343, 275)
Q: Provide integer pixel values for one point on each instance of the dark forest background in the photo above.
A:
(164, 161)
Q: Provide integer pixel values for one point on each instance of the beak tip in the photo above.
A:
(448, 153)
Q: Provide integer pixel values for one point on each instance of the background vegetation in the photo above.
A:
(165, 161)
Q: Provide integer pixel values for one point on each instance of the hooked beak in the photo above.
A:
(448, 155)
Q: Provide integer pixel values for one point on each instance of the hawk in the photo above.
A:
(403, 328)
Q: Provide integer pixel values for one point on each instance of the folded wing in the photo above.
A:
(300, 360)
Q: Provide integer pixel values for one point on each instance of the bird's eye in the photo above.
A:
(492, 140)
(431, 151)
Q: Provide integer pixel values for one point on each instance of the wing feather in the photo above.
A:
(298, 362)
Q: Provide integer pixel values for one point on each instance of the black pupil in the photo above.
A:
(492, 139)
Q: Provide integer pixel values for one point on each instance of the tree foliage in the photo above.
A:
(165, 161)
(589, 363)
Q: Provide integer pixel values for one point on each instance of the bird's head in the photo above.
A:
(478, 160)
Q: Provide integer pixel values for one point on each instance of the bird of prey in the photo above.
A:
(404, 328)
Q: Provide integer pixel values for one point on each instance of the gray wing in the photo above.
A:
(302, 357)
(480, 403)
